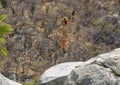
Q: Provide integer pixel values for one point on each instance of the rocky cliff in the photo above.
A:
(92, 28)
(103, 69)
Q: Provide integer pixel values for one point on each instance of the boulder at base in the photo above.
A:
(103, 69)
(57, 74)
(6, 81)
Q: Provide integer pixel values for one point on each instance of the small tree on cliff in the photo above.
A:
(4, 29)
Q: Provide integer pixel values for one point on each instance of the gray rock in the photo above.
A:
(13, 77)
(100, 70)
(6, 81)
(57, 74)
(91, 75)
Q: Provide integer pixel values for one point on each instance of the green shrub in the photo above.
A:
(95, 53)
(4, 29)
(33, 82)
(102, 23)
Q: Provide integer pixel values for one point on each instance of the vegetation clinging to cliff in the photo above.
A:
(4, 29)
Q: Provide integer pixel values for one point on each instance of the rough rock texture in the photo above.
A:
(94, 28)
(58, 73)
(103, 69)
(6, 81)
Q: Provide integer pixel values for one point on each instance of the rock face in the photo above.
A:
(34, 45)
(6, 81)
(103, 69)
(57, 73)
